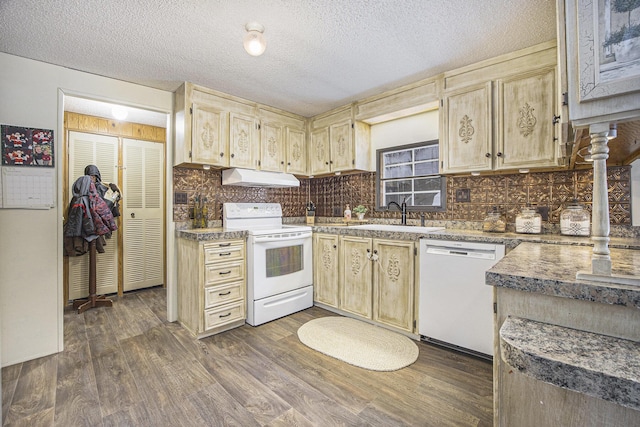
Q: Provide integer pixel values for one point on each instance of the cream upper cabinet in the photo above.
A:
(500, 114)
(244, 141)
(338, 143)
(525, 131)
(319, 152)
(282, 142)
(214, 128)
(296, 151)
(356, 274)
(325, 269)
(271, 147)
(466, 143)
(393, 283)
(209, 139)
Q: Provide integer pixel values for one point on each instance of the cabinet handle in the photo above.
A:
(368, 250)
(289, 164)
(224, 245)
(488, 155)
(499, 154)
(225, 272)
(224, 315)
(375, 251)
(326, 163)
(221, 154)
(224, 254)
(334, 246)
(330, 161)
(282, 162)
(232, 155)
(224, 293)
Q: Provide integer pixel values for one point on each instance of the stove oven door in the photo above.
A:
(278, 263)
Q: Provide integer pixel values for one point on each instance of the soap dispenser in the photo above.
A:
(347, 213)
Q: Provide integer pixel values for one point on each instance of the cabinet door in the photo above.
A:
(243, 141)
(209, 141)
(393, 283)
(325, 259)
(467, 141)
(341, 146)
(356, 275)
(271, 147)
(525, 129)
(319, 155)
(296, 151)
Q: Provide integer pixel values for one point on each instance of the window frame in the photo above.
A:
(443, 181)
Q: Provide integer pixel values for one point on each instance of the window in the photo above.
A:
(410, 173)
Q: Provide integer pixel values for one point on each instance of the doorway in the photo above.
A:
(132, 156)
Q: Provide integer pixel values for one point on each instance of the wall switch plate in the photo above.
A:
(463, 195)
(180, 198)
(544, 212)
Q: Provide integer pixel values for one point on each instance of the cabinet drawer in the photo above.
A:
(223, 251)
(218, 316)
(225, 272)
(217, 295)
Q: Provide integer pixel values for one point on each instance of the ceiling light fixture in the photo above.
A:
(254, 42)
(119, 113)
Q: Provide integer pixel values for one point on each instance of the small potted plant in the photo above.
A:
(360, 211)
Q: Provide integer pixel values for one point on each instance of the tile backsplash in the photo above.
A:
(510, 192)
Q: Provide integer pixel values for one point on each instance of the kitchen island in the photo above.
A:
(567, 350)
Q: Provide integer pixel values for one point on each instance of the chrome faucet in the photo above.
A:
(402, 209)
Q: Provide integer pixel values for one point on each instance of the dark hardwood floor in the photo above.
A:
(128, 366)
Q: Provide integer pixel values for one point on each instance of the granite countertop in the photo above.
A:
(551, 270)
(217, 233)
(510, 240)
(597, 365)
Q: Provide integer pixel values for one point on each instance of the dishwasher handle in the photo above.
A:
(461, 252)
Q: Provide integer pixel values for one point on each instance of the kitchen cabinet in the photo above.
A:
(211, 291)
(214, 128)
(375, 281)
(325, 269)
(338, 143)
(282, 142)
(356, 276)
(500, 114)
(394, 283)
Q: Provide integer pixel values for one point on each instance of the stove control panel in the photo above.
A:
(251, 210)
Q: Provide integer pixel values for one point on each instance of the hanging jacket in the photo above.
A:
(88, 218)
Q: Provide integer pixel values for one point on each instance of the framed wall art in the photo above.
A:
(603, 59)
(22, 146)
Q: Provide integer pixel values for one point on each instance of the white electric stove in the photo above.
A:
(279, 260)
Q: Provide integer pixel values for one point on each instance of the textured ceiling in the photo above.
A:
(320, 54)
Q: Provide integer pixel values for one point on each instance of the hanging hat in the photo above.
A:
(93, 170)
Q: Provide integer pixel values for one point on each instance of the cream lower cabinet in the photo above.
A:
(356, 275)
(368, 278)
(211, 285)
(325, 269)
(393, 283)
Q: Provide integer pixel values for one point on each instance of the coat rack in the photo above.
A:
(93, 300)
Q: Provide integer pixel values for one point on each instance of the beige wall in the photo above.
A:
(31, 240)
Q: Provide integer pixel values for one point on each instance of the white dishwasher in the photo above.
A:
(456, 306)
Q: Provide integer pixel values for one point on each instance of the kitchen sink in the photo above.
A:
(397, 228)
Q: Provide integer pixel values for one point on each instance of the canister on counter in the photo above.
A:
(494, 222)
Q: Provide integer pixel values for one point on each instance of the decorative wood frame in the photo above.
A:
(596, 94)
(595, 82)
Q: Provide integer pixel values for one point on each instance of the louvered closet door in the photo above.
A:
(102, 151)
(142, 214)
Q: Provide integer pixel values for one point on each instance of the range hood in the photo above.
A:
(252, 178)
